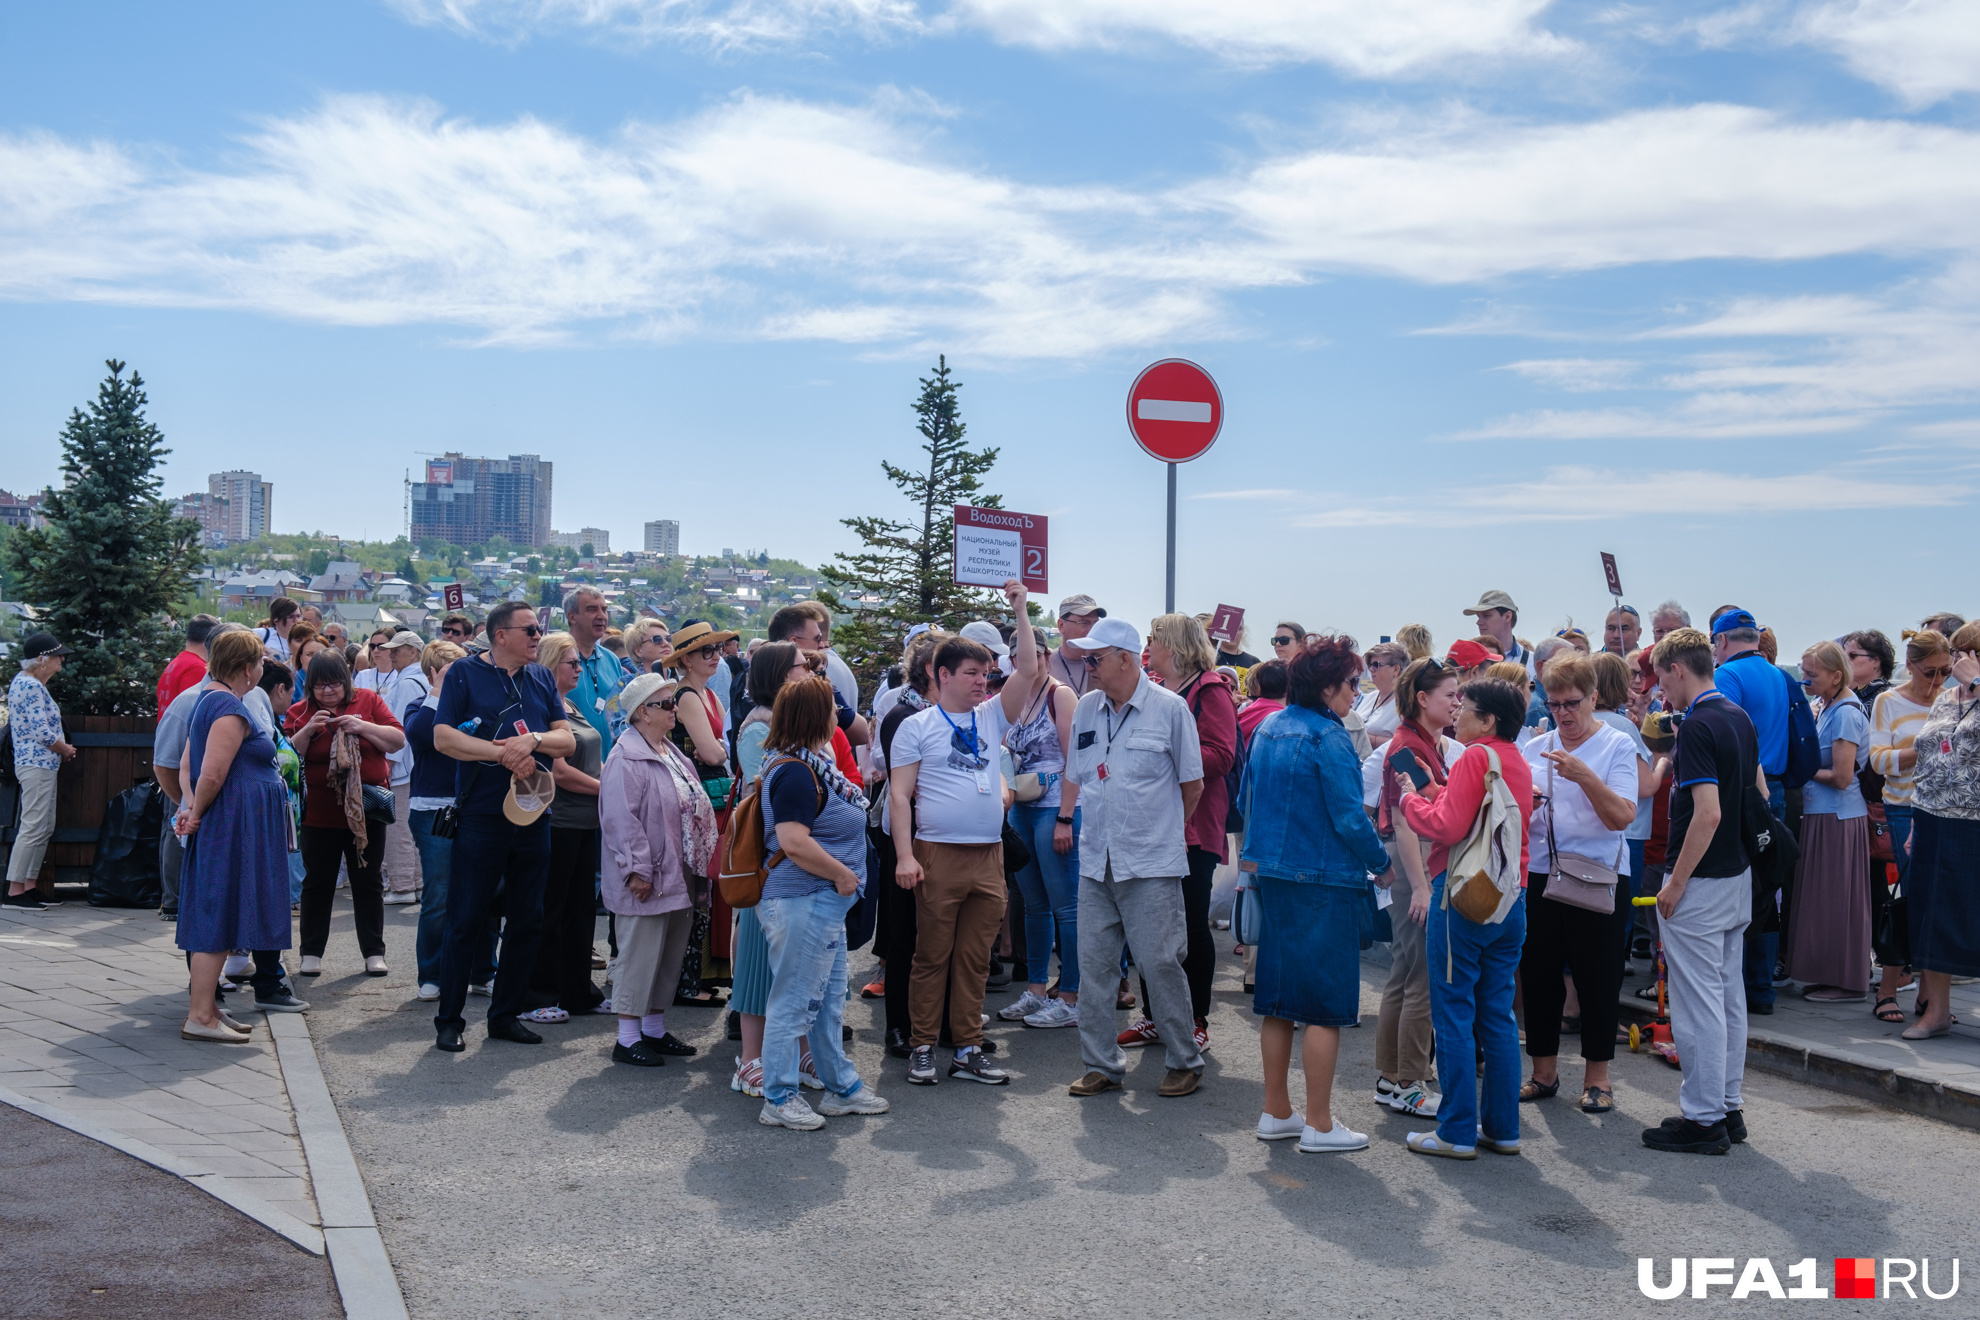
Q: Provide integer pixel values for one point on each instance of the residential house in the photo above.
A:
(342, 580)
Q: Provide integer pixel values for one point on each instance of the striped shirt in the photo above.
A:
(1894, 724)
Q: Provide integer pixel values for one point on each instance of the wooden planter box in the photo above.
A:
(113, 752)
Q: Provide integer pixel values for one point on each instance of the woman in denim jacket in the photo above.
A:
(1312, 847)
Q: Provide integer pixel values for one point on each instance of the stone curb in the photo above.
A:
(220, 1188)
(365, 1279)
(1836, 1069)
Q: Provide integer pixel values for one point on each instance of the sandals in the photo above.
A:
(1571, 1024)
(550, 1014)
(1920, 1008)
(1535, 1090)
(1598, 1100)
(711, 1000)
(1887, 1010)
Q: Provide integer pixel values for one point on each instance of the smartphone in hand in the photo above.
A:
(1406, 762)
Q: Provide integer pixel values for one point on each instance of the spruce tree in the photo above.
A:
(112, 560)
(909, 565)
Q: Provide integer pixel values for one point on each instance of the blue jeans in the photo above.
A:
(491, 857)
(436, 856)
(1050, 885)
(1474, 1008)
(807, 939)
(1764, 951)
(1898, 817)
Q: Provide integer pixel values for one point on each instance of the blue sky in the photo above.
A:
(1489, 285)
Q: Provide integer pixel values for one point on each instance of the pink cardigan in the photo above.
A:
(639, 811)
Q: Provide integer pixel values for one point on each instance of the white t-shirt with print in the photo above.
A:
(951, 804)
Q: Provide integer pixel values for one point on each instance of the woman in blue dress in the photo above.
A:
(234, 892)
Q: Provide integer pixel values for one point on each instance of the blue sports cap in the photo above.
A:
(1734, 619)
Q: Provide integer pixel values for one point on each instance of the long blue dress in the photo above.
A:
(234, 892)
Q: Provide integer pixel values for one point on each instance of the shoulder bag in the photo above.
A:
(1576, 880)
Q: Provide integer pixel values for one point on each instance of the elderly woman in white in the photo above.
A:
(39, 750)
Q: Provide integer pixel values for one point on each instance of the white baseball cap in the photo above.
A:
(1107, 632)
(987, 634)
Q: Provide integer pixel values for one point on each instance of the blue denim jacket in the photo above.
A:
(1302, 802)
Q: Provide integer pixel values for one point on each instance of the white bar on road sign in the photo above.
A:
(1172, 410)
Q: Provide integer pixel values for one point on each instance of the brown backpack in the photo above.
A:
(741, 864)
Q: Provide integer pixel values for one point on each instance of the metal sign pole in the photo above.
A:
(1169, 598)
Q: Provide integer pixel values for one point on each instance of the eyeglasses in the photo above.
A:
(1562, 707)
(1856, 655)
(1937, 673)
(665, 703)
(706, 651)
(573, 661)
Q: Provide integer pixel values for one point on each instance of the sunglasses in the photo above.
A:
(665, 703)
(1937, 673)
(452, 632)
(706, 651)
(1282, 641)
(532, 631)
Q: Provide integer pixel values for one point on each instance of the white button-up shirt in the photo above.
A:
(1131, 822)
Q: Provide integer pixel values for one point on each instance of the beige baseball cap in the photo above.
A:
(529, 798)
(1080, 605)
(1493, 600)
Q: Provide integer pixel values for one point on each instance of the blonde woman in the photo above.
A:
(1828, 945)
(563, 960)
(1415, 639)
(646, 646)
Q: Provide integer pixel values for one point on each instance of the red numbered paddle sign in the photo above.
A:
(454, 596)
(995, 545)
(1175, 410)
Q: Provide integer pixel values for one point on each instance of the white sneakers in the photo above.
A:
(311, 966)
(1339, 1138)
(1023, 1006)
(862, 1101)
(748, 1078)
(1413, 1100)
(1429, 1143)
(374, 965)
(237, 964)
(1056, 1013)
(486, 989)
(794, 1114)
(428, 990)
(1278, 1129)
(401, 897)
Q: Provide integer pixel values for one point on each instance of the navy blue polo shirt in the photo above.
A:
(483, 700)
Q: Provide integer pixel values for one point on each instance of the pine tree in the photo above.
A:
(112, 560)
(908, 567)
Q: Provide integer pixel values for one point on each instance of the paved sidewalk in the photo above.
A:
(91, 1000)
(1843, 1047)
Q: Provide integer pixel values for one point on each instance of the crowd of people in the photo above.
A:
(1491, 810)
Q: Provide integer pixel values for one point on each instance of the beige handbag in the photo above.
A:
(1573, 879)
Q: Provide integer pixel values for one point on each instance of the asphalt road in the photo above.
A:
(541, 1181)
(86, 1230)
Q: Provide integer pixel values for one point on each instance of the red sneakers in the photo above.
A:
(1141, 1033)
(1202, 1034)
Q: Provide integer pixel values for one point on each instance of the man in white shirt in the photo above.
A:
(1139, 766)
(401, 686)
(946, 811)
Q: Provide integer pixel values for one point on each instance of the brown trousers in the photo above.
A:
(958, 910)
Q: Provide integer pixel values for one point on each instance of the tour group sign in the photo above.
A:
(995, 545)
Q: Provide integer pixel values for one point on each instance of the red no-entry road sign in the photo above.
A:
(1175, 411)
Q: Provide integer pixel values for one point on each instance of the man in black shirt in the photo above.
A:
(1706, 903)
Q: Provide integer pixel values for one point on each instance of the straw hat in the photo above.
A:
(697, 635)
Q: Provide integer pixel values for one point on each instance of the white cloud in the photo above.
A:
(1369, 40)
(1915, 346)
(771, 217)
(1576, 375)
(763, 217)
(1584, 494)
(1923, 50)
(1396, 37)
(1656, 185)
(719, 23)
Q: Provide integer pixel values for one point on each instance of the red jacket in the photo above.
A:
(1210, 700)
(1448, 817)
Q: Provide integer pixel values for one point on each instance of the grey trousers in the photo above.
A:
(37, 824)
(171, 859)
(401, 857)
(1705, 958)
(1148, 915)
